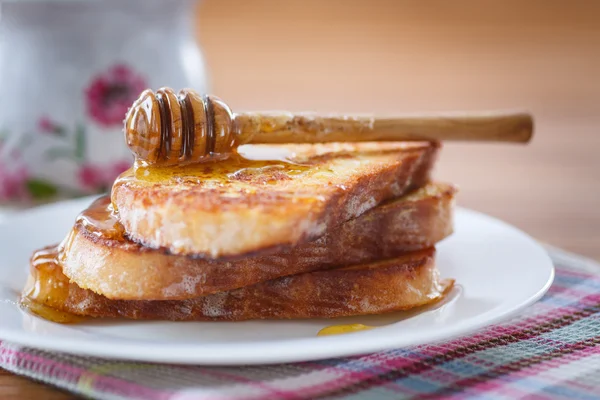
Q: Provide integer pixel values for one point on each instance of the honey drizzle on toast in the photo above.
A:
(101, 219)
(250, 164)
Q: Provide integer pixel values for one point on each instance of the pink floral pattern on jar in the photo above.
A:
(108, 98)
(95, 178)
(110, 94)
(72, 147)
(14, 176)
(47, 126)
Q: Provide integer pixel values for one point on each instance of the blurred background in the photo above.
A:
(394, 56)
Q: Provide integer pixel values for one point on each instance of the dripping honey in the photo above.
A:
(46, 291)
(101, 220)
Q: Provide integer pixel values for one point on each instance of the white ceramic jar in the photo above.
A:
(68, 72)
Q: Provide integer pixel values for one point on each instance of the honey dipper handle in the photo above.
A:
(307, 128)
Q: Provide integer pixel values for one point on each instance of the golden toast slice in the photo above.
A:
(397, 284)
(106, 262)
(259, 202)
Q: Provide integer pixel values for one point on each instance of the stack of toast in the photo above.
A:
(274, 232)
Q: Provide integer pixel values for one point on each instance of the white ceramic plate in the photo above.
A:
(499, 271)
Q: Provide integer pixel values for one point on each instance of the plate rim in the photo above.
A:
(277, 351)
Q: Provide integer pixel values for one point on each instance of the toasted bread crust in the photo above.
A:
(121, 269)
(236, 214)
(397, 284)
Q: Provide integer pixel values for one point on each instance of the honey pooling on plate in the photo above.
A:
(46, 291)
(342, 329)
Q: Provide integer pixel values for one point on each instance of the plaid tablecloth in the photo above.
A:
(552, 351)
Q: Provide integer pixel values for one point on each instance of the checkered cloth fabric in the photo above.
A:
(551, 351)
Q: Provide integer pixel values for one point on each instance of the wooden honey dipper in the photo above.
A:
(171, 129)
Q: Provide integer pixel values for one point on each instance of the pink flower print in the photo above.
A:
(110, 95)
(46, 125)
(13, 176)
(99, 178)
(117, 169)
(13, 184)
(90, 177)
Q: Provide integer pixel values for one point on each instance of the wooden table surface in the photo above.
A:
(407, 56)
